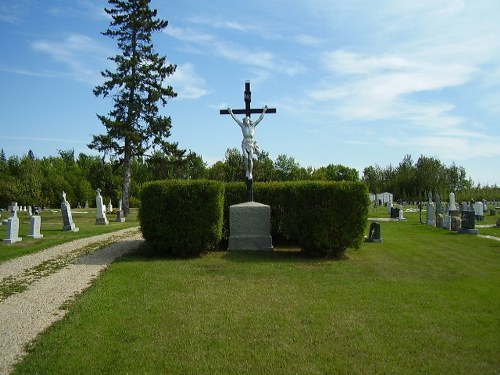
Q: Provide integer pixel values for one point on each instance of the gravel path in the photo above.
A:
(38, 285)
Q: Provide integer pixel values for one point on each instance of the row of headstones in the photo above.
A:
(68, 224)
(13, 225)
(463, 221)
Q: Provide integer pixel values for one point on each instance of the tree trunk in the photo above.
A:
(127, 173)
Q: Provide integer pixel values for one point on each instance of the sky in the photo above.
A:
(355, 82)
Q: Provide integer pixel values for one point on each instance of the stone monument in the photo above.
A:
(374, 234)
(250, 227)
(452, 210)
(250, 222)
(110, 206)
(431, 212)
(100, 210)
(468, 223)
(119, 214)
(68, 224)
(35, 225)
(13, 225)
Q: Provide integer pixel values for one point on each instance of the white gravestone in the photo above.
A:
(35, 225)
(69, 225)
(101, 210)
(431, 212)
(13, 225)
(119, 214)
(110, 206)
(453, 204)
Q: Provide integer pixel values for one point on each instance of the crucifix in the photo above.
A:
(248, 145)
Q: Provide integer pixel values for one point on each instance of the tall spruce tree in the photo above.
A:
(134, 124)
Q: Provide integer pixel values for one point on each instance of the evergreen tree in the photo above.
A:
(134, 125)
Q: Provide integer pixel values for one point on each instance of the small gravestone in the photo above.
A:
(86, 204)
(100, 210)
(35, 225)
(439, 220)
(431, 212)
(13, 225)
(401, 214)
(119, 214)
(456, 223)
(250, 227)
(439, 205)
(110, 207)
(68, 224)
(468, 223)
(453, 205)
(447, 222)
(478, 211)
(493, 212)
(30, 211)
(374, 234)
(498, 223)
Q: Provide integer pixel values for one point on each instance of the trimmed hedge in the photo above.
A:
(325, 218)
(182, 218)
(185, 218)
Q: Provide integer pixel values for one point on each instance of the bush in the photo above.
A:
(182, 218)
(325, 218)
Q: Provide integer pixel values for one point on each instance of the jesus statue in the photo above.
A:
(248, 144)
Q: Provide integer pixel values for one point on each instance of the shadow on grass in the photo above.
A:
(147, 253)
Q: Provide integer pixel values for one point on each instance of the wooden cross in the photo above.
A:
(247, 95)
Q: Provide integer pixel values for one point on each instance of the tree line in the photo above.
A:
(29, 180)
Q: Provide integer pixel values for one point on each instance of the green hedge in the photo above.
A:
(185, 218)
(182, 218)
(325, 218)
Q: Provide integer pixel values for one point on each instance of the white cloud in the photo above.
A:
(82, 56)
(187, 83)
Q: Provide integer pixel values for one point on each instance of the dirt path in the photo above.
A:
(34, 288)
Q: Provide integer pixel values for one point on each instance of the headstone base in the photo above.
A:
(71, 228)
(468, 231)
(119, 216)
(12, 240)
(250, 227)
(101, 221)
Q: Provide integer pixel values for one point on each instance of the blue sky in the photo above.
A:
(355, 82)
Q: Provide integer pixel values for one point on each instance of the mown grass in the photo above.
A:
(425, 301)
(53, 234)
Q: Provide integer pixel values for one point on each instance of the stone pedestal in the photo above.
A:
(250, 227)
(35, 225)
(439, 220)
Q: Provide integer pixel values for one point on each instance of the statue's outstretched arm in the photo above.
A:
(261, 116)
(234, 117)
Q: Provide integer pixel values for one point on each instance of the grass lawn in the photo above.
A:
(53, 234)
(424, 301)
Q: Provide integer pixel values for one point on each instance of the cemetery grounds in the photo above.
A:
(425, 300)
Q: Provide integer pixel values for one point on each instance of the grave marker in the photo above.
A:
(13, 225)
(35, 225)
(68, 224)
(101, 210)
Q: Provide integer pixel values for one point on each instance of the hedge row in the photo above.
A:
(180, 217)
(323, 218)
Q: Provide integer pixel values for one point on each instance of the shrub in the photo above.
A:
(182, 218)
(325, 218)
